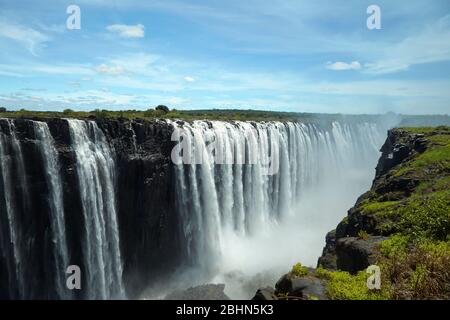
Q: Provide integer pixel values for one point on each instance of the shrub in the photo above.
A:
(427, 217)
(341, 285)
(416, 270)
(298, 270)
(3, 109)
(149, 113)
(363, 235)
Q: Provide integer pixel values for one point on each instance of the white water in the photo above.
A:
(241, 224)
(49, 154)
(96, 169)
(6, 169)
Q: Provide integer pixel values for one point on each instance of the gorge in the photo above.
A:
(104, 194)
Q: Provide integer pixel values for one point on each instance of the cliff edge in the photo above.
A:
(401, 225)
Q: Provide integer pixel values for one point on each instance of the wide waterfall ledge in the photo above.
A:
(107, 195)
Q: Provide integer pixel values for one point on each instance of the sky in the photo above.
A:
(281, 55)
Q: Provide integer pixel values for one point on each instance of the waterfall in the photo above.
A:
(10, 152)
(248, 195)
(96, 175)
(49, 154)
(241, 178)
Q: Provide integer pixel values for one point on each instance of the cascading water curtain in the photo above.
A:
(100, 240)
(49, 155)
(240, 177)
(96, 170)
(13, 202)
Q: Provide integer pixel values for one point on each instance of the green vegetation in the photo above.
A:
(370, 207)
(415, 268)
(164, 109)
(298, 270)
(363, 235)
(344, 286)
(164, 112)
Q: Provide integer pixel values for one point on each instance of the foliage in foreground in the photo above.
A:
(341, 285)
(416, 268)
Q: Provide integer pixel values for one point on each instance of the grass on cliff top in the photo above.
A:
(187, 115)
(425, 130)
(435, 159)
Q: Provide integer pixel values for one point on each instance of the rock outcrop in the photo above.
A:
(353, 244)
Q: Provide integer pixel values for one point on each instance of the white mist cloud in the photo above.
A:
(26, 36)
(110, 70)
(341, 66)
(127, 31)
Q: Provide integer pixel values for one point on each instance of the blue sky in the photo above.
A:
(289, 55)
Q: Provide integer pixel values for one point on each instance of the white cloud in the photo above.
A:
(127, 31)
(341, 66)
(28, 37)
(110, 70)
(22, 70)
(189, 79)
(135, 62)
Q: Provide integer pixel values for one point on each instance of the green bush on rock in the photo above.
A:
(298, 270)
(341, 285)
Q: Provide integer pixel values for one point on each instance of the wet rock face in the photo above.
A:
(146, 214)
(146, 200)
(354, 254)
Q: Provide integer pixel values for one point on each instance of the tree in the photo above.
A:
(162, 108)
(66, 111)
(3, 109)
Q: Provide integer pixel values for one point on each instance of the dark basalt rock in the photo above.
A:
(328, 260)
(354, 254)
(265, 294)
(300, 287)
(398, 147)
